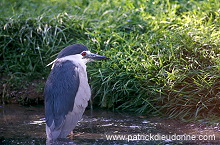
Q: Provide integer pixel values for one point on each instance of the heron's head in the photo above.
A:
(79, 52)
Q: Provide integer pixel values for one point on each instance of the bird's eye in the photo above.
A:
(83, 53)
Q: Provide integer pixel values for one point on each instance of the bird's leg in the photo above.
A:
(71, 135)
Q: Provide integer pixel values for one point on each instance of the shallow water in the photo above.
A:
(26, 125)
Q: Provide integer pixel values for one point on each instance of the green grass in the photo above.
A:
(164, 55)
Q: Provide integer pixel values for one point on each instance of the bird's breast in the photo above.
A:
(84, 92)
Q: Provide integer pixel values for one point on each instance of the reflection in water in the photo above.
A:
(26, 125)
(41, 121)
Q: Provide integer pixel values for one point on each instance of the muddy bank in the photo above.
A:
(25, 93)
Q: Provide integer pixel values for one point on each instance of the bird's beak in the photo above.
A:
(93, 57)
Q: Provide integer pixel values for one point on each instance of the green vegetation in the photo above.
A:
(165, 54)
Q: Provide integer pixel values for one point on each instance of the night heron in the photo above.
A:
(67, 91)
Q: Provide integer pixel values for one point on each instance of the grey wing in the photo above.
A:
(60, 92)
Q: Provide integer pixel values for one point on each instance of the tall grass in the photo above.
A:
(164, 54)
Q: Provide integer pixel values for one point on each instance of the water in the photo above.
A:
(26, 125)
